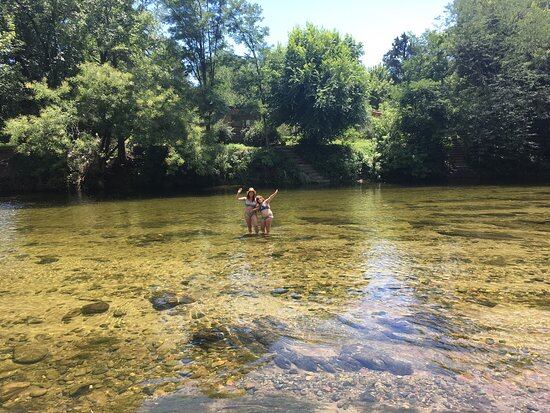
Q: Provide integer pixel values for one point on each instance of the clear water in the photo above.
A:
(362, 299)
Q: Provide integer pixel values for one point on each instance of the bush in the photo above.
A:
(343, 162)
(254, 135)
(223, 132)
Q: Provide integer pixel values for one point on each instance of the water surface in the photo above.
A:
(362, 299)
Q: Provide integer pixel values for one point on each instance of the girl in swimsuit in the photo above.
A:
(250, 208)
(265, 211)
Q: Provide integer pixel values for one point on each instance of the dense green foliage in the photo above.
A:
(153, 93)
(320, 87)
(503, 65)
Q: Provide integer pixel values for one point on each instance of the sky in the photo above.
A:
(373, 23)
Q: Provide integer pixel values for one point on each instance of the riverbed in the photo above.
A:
(369, 298)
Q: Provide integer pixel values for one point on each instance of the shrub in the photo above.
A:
(343, 162)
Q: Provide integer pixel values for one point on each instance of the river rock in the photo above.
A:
(97, 307)
(71, 314)
(207, 337)
(279, 291)
(282, 362)
(166, 300)
(37, 391)
(385, 363)
(29, 354)
(79, 389)
(10, 390)
(119, 313)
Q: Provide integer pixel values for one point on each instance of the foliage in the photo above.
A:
(255, 134)
(403, 48)
(321, 87)
(93, 116)
(379, 86)
(134, 93)
(503, 64)
(343, 162)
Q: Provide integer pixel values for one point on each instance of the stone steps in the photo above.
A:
(311, 175)
(457, 161)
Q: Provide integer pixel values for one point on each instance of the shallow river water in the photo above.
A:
(362, 299)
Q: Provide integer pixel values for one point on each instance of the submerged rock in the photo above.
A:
(11, 390)
(29, 354)
(71, 314)
(207, 337)
(79, 389)
(119, 313)
(97, 307)
(36, 391)
(47, 259)
(166, 300)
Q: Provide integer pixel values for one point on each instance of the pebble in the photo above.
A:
(10, 390)
(29, 354)
(279, 291)
(97, 307)
(37, 392)
(119, 313)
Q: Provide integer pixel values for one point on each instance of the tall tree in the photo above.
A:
(200, 26)
(12, 91)
(49, 32)
(403, 48)
(245, 24)
(502, 61)
(320, 86)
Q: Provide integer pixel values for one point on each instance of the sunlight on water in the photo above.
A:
(430, 298)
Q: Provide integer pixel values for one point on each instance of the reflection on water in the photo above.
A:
(362, 299)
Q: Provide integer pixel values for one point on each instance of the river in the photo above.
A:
(363, 299)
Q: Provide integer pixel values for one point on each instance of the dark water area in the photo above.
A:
(362, 299)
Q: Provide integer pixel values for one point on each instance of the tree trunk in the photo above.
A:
(264, 122)
(121, 151)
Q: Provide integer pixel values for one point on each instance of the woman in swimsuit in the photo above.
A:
(265, 211)
(250, 209)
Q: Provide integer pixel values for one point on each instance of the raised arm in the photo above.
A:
(270, 197)
(242, 198)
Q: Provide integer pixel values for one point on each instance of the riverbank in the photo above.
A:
(150, 172)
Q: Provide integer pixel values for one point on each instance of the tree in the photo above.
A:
(200, 26)
(321, 86)
(403, 48)
(415, 147)
(502, 62)
(244, 24)
(90, 118)
(12, 91)
(379, 85)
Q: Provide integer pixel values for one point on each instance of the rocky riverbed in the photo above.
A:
(419, 299)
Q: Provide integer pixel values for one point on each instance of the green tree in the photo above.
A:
(12, 91)
(200, 26)
(91, 118)
(50, 34)
(321, 86)
(245, 24)
(379, 85)
(502, 62)
(415, 146)
(403, 48)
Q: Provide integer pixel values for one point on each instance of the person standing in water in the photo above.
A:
(250, 208)
(265, 211)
